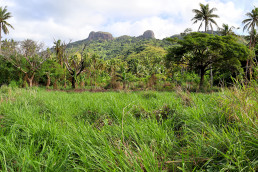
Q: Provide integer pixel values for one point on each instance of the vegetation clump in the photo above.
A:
(42, 130)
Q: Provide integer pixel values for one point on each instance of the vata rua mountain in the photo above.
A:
(106, 46)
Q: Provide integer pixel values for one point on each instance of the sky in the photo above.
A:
(49, 20)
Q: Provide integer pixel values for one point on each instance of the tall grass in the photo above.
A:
(133, 131)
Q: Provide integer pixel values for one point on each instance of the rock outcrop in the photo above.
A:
(148, 34)
(100, 36)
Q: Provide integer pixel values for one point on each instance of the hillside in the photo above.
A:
(106, 46)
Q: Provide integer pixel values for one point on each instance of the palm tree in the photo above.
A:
(205, 14)
(253, 35)
(4, 15)
(226, 30)
(250, 23)
(59, 50)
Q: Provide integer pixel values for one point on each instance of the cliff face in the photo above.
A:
(100, 36)
(149, 34)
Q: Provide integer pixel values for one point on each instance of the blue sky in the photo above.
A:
(46, 20)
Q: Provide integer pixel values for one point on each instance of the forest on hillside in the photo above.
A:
(191, 60)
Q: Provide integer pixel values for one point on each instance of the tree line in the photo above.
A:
(196, 61)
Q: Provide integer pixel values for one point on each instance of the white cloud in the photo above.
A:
(66, 19)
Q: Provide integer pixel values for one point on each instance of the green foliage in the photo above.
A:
(128, 131)
(4, 16)
(121, 47)
(52, 68)
(7, 72)
(202, 52)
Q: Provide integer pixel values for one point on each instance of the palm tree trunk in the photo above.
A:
(0, 38)
(247, 62)
(206, 24)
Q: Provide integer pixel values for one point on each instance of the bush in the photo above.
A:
(13, 84)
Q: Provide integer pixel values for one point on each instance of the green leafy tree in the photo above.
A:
(75, 64)
(4, 16)
(123, 74)
(202, 52)
(205, 14)
(52, 70)
(27, 56)
(8, 72)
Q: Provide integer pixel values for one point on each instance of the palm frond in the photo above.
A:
(4, 15)
(212, 10)
(213, 16)
(246, 20)
(205, 14)
(8, 24)
(200, 26)
(214, 22)
(5, 30)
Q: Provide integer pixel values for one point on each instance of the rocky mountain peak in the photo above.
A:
(100, 36)
(148, 34)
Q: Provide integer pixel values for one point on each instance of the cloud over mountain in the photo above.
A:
(66, 19)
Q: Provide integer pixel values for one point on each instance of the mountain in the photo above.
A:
(148, 34)
(106, 36)
(93, 36)
(106, 46)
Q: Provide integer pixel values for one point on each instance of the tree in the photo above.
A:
(205, 14)
(75, 64)
(52, 70)
(253, 35)
(4, 15)
(226, 30)
(250, 23)
(202, 52)
(59, 48)
(123, 74)
(27, 56)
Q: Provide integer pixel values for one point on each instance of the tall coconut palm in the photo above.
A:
(4, 15)
(59, 50)
(250, 23)
(253, 35)
(205, 14)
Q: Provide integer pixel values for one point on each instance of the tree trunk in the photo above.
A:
(124, 85)
(202, 78)
(247, 62)
(55, 84)
(25, 78)
(64, 79)
(30, 80)
(48, 81)
(0, 38)
(211, 75)
(73, 81)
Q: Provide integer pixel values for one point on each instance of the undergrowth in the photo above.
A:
(128, 131)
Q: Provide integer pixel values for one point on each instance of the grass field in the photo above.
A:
(128, 131)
